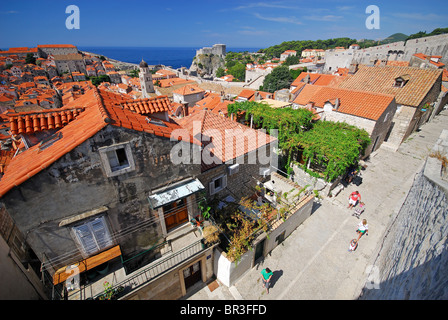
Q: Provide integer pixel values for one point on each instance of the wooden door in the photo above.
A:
(175, 214)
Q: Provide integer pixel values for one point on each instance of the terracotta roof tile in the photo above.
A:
(358, 103)
(315, 78)
(381, 80)
(100, 109)
(30, 122)
(216, 126)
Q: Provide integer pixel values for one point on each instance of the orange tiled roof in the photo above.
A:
(31, 122)
(148, 105)
(100, 110)
(445, 75)
(164, 83)
(217, 126)
(188, 89)
(398, 63)
(315, 78)
(382, 79)
(358, 103)
(247, 93)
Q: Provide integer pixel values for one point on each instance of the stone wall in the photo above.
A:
(399, 51)
(77, 183)
(412, 261)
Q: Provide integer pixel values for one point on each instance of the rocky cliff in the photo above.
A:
(206, 65)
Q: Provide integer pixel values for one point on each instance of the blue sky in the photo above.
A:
(198, 23)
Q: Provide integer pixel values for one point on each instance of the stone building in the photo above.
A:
(235, 157)
(416, 92)
(217, 49)
(45, 50)
(396, 51)
(68, 63)
(188, 95)
(146, 83)
(105, 191)
(369, 111)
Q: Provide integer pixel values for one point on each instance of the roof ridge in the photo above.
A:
(104, 114)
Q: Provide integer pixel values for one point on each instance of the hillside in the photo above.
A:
(299, 45)
(395, 38)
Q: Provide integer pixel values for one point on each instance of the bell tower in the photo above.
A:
(145, 80)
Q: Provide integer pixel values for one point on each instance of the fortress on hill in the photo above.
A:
(217, 49)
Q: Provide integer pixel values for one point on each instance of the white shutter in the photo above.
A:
(86, 239)
(101, 233)
(93, 236)
(224, 182)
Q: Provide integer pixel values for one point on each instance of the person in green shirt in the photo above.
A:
(266, 275)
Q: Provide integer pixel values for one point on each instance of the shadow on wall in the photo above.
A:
(428, 281)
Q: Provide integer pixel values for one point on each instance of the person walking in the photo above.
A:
(363, 228)
(353, 245)
(353, 199)
(266, 276)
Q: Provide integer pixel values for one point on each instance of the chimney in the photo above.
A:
(336, 104)
(185, 108)
(307, 79)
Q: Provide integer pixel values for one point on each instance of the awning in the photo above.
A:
(63, 273)
(178, 191)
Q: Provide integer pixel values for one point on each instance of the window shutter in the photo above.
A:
(113, 159)
(86, 239)
(224, 182)
(101, 233)
(211, 187)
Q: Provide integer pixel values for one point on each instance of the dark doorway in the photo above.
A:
(259, 249)
(192, 274)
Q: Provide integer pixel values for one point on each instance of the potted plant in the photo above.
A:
(110, 293)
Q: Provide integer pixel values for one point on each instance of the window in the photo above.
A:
(117, 159)
(217, 184)
(401, 81)
(93, 236)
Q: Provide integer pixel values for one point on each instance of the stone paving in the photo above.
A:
(314, 261)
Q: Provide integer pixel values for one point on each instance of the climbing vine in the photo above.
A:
(333, 146)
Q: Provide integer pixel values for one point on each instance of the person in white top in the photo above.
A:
(363, 228)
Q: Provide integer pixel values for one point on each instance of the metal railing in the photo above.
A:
(156, 269)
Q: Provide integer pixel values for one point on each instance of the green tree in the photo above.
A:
(291, 60)
(30, 59)
(98, 80)
(220, 72)
(238, 71)
(279, 78)
(134, 73)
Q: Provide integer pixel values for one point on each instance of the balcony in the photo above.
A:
(183, 244)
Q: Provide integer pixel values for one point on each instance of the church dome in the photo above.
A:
(143, 64)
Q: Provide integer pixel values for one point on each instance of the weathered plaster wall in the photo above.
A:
(77, 183)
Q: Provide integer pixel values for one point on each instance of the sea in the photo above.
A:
(176, 57)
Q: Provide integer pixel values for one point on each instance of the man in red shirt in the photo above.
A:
(353, 199)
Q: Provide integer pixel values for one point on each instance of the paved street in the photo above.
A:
(314, 261)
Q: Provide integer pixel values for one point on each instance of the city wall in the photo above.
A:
(412, 261)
